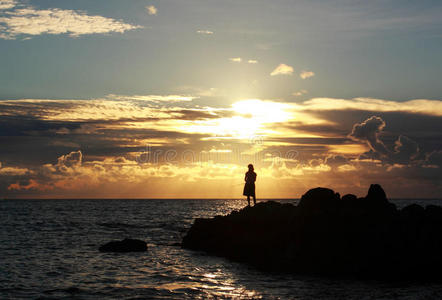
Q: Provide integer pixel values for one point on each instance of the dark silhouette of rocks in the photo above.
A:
(376, 193)
(349, 198)
(126, 245)
(327, 235)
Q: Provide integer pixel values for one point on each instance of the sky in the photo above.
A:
(172, 99)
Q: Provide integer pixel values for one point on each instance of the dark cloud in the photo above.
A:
(368, 131)
(31, 141)
(422, 128)
(310, 140)
(336, 160)
(322, 129)
(405, 150)
(192, 114)
(72, 159)
(296, 153)
(27, 125)
(434, 159)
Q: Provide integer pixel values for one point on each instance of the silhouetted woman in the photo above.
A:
(249, 187)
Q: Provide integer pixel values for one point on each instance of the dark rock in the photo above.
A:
(433, 212)
(326, 235)
(376, 193)
(319, 200)
(376, 202)
(413, 211)
(349, 198)
(126, 245)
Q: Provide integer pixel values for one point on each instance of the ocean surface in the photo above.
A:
(48, 250)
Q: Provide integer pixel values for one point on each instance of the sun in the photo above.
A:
(250, 118)
(262, 111)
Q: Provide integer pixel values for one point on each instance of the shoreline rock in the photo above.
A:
(328, 235)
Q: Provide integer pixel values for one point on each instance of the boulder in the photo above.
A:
(434, 213)
(413, 211)
(376, 202)
(319, 200)
(126, 245)
(349, 198)
(376, 193)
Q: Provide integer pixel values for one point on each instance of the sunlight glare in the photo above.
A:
(263, 111)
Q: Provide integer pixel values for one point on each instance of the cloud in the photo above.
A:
(339, 163)
(434, 159)
(12, 171)
(235, 59)
(205, 32)
(202, 91)
(405, 150)
(151, 10)
(7, 4)
(300, 93)
(282, 69)
(153, 98)
(306, 74)
(72, 174)
(116, 130)
(239, 59)
(72, 159)
(417, 106)
(119, 176)
(336, 160)
(368, 131)
(29, 21)
(160, 111)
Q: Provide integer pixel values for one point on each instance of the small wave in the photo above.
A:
(172, 226)
(120, 225)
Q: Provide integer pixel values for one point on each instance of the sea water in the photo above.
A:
(49, 250)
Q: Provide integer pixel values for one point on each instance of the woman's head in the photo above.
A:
(250, 166)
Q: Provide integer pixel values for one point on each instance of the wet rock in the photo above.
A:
(126, 245)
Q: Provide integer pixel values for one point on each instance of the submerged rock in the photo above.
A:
(126, 245)
(324, 234)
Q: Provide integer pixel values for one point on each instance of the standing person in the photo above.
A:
(249, 187)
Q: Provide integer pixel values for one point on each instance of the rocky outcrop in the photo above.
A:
(126, 245)
(324, 234)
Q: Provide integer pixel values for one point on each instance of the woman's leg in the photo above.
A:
(254, 200)
(248, 200)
